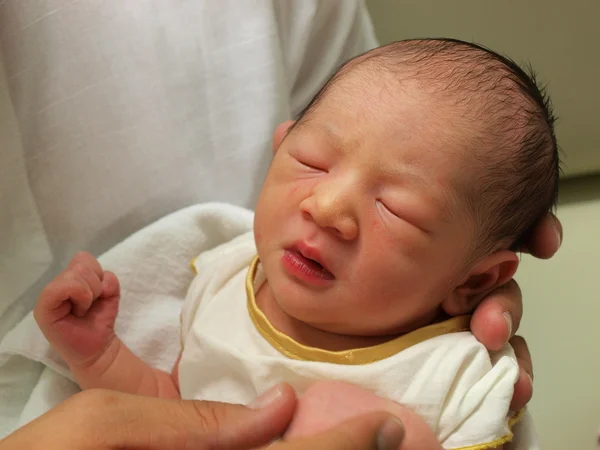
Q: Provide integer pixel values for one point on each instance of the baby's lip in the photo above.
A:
(312, 253)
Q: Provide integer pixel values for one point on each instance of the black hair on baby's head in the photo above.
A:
(511, 168)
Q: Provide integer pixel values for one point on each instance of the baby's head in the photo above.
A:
(404, 186)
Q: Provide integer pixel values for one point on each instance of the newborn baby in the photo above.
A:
(392, 206)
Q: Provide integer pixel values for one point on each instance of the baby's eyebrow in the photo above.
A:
(336, 141)
(312, 126)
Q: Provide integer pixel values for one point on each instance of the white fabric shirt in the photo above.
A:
(231, 353)
(114, 113)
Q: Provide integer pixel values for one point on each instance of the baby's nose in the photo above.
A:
(346, 228)
(333, 212)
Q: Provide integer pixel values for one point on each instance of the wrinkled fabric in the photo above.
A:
(115, 113)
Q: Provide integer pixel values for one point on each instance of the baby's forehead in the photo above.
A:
(439, 106)
(430, 99)
(385, 116)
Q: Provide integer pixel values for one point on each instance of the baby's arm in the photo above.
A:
(119, 369)
(77, 312)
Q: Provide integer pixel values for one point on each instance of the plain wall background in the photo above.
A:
(562, 304)
(562, 308)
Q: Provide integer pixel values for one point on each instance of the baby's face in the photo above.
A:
(356, 226)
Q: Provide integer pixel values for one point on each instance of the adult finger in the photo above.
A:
(128, 421)
(498, 316)
(103, 420)
(546, 237)
(524, 386)
(375, 431)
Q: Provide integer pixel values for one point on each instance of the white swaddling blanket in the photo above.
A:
(154, 272)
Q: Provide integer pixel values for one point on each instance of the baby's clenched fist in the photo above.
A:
(77, 311)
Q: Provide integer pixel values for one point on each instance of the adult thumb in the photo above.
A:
(130, 421)
(213, 425)
(375, 431)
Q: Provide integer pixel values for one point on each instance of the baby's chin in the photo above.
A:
(329, 320)
(354, 330)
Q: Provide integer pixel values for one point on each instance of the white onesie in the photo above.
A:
(231, 353)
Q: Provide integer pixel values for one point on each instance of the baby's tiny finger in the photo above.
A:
(52, 301)
(89, 276)
(110, 285)
(79, 293)
(87, 260)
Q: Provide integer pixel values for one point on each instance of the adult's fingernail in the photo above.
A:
(391, 434)
(558, 232)
(266, 399)
(530, 378)
(509, 321)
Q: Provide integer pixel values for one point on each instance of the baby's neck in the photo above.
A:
(306, 334)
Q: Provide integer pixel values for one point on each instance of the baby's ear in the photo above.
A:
(491, 272)
(281, 132)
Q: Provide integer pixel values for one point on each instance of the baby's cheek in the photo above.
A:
(381, 237)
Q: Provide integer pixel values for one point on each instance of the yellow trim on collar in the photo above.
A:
(500, 441)
(358, 356)
(193, 265)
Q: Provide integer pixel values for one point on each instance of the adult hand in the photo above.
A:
(546, 238)
(374, 431)
(498, 316)
(337, 412)
(102, 420)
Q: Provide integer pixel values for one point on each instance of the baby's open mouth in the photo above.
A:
(314, 264)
